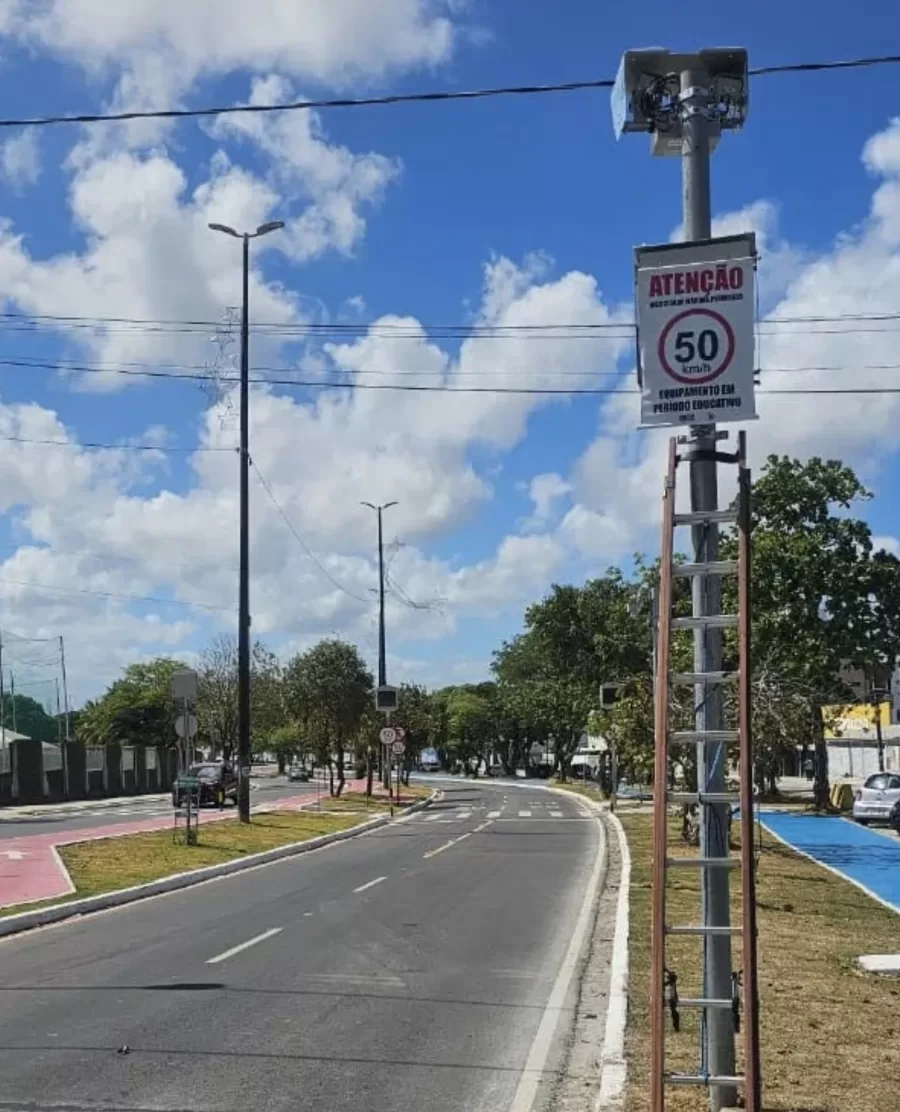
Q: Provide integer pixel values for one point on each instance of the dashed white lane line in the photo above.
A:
(245, 945)
(369, 884)
(493, 814)
(556, 814)
(461, 815)
(432, 818)
(446, 845)
(524, 814)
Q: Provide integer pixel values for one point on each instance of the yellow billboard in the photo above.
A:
(853, 720)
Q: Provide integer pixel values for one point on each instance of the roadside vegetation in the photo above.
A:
(829, 1032)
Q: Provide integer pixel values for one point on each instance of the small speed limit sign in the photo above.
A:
(388, 735)
(696, 346)
(398, 748)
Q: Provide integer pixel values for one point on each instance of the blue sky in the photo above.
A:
(520, 211)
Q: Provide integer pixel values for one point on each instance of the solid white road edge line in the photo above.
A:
(369, 884)
(613, 1067)
(527, 1088)
(244, 945)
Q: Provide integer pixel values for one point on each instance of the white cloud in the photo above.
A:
(159, 48)
(20, 159)
(337, 182)
(617, 483)
(545, 491)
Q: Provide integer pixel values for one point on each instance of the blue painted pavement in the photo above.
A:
(865, 856)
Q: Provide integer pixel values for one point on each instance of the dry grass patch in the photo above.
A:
(830, 1034)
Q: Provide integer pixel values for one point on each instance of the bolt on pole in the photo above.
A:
(711, 759)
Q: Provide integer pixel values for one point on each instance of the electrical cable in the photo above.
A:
(299, 539)
(113, 594)
(428, 97)
(111, 447)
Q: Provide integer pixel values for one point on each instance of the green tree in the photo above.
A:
(822, 598)
(217, 697)
(30, 718)
(329, 689)
(136, 709)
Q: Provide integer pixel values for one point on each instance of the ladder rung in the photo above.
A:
(701, 929)
(704, 1002)
(706, 621)
(704, 797)
(704, 862)
(691, 679)
(703, 517)
(711, 1079)
(711, 567)
(711, 737)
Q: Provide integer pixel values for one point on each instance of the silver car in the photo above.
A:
(875, 800)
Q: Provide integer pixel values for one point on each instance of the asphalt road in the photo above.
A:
(410, 968)
(66, 816)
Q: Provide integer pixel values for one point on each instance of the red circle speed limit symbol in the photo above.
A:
(696, 346)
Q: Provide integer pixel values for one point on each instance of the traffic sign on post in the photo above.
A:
(696, 306)
(388, 735)
(398, 748)
(184, 685)
(400, 731)
(186, 725)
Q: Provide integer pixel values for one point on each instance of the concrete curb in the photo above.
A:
(57, 913)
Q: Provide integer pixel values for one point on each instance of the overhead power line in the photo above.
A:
(113, 594)
(426, 97)
(310, 555)
(94, 444)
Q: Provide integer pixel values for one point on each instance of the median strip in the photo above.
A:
(239, 949)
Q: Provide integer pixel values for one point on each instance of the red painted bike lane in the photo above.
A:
(31, 868)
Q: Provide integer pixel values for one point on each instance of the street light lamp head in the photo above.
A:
(224, 228)
(272, 226)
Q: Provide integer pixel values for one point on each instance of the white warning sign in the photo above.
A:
(695, 308)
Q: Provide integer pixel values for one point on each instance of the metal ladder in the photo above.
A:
(663, 982)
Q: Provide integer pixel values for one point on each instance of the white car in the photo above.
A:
(875, 800)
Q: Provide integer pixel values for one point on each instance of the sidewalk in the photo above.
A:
(31, 868)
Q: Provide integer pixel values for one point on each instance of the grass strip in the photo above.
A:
(829, 1032)
(108, 864)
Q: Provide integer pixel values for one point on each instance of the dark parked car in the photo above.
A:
(216, 777)
(894, 820)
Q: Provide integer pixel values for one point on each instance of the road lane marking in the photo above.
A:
(370, 884)
(530, 1079)
(244, 945)
(493, 814)
(446, 845)
(462, 815)
(524, 814)
(556, 814)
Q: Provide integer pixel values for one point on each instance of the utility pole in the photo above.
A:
(685, 101)
(711, 759)
(12, 691)
(382, 653)
(59, 734)
(244, 527)
(62, 665)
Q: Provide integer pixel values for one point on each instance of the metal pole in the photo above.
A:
(62, 664)
(244, 573)
(878, 733)
(12, 692)
(720, 1056)
(382, 657)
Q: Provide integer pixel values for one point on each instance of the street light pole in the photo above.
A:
(244, 528)
(382, 653)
